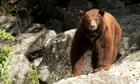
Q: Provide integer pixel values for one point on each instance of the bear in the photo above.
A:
(100, 32)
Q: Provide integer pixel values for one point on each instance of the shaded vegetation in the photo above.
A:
(4, 59)
(13, 6)
(33, 76)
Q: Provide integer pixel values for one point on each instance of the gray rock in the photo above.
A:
(26, 43)
(56, 60)
(3, 19)
(15, 24)
(130, 26)
(110, 4)
(126, 72)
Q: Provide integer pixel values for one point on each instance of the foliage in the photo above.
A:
(54, 76)
(6, 35)
(13, 6)
(4, 58)
(4, 66)
(4, 54)
(30, 3)
(9, 8)
(33, 76)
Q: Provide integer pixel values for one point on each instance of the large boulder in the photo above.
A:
(130, 26)
(125, 72)
(55, 64)
(21, 61)
(110, 4)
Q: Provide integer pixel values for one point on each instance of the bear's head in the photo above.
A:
(91, 19)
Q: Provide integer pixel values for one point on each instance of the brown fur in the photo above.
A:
(102, 40)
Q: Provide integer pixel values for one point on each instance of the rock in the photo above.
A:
(3, 19)
(6, 21)
(128, 2)
(78, 4)
(15, 24)
(116, 75)
(20, 67)
(26, 43)
(110, 4)
(130, 35)
(19, 63)
(34, 28)
(56, 60)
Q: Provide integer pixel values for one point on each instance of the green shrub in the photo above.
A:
(10, 8)
(17, 5)
(4, 66)
(33, 76)
(4, 59)
(6, 35)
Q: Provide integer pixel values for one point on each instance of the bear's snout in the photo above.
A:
(93, 25)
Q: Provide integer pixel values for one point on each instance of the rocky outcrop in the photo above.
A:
(125, 72)
(130, 26)
(20, 65)
(55, 64)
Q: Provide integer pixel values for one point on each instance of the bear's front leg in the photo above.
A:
(77, 66)
(77, 59)
(105, 50)
(79, 47)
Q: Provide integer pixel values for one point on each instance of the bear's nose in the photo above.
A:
(93, 23)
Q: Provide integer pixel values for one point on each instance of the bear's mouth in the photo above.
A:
(92, 28)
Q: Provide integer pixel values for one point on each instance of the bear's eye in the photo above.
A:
(93, 16)
(87, 21)
(99, 15)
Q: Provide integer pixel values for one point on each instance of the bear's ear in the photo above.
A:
(82, 12)
(101, 12)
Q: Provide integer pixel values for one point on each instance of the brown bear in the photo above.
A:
(99, 32)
